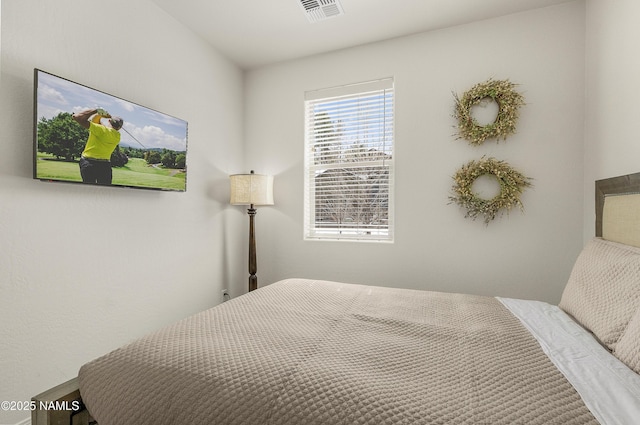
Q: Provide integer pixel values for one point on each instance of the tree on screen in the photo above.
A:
(61, 136)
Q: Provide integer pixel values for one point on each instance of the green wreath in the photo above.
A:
(508, 100)
(512, 183)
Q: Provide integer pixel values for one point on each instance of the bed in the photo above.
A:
(315, 352)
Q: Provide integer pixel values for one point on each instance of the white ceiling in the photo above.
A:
(253, 33)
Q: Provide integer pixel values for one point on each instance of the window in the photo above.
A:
(349, 162)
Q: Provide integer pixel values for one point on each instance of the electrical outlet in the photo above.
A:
(224, 295)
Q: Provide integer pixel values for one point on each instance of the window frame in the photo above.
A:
(373, 176)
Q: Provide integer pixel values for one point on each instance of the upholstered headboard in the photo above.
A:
(618, 209)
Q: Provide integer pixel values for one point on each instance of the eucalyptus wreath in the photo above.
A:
(508, 100)
(512, 183)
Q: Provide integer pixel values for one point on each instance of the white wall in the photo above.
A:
(612, 138)
(71, 289)
(526, 256)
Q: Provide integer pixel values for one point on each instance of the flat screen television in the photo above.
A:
(151, 152)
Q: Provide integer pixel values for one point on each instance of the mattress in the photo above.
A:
(316, 352)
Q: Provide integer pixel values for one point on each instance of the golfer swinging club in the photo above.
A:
(95, 163)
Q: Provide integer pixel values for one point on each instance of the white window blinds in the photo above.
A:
(349, 138)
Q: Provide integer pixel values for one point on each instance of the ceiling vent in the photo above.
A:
(319, 10)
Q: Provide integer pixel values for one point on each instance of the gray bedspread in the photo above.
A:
(304, 352)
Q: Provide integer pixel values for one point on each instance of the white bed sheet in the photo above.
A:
(607, 386)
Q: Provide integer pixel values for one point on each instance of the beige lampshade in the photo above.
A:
(247, 189)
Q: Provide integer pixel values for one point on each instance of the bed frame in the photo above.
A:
(68, 408)
(61, 405)
(627, 184)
